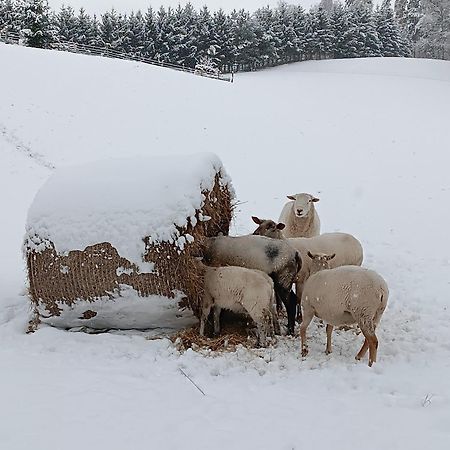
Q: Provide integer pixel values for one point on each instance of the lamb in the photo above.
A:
(347, 248)
(242, 291)
(275, 258)
(344, 296)
(300, 216)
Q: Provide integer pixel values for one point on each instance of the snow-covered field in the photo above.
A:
(371, 138)
(100, 6)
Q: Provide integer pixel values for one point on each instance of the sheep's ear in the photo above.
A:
(280, 226)
(331, 256)
(315, 199)
(291, 197)
(257, 220)
(310, 255)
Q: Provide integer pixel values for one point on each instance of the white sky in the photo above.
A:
(100, 6)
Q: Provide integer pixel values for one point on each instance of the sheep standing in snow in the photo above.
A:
(242, 291)
(344, 296)
(276, 258)
(300, 216)
(347, 248)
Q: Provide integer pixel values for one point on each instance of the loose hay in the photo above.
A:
(60, 281)
(229, 339)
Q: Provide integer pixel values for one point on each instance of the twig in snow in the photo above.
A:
(190, 379)
(427, 400)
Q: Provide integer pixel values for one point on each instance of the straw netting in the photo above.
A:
(85, 275)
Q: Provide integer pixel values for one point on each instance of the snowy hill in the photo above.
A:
(369, 137)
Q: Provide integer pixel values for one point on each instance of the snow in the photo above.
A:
(369, 137)
(125, 309)
(121, 201)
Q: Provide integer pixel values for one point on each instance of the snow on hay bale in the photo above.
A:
(111, 244)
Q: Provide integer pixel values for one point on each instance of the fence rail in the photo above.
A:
(10, 37)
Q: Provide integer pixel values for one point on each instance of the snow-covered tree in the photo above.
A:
(267, 42)
(66, 24)
(112, 29)
(87, 29)
(434, 28)
(284, 33)
(393, 43)
(8, 16)
(134, 34)
(36, 27)
(150, 34)
(222, 40)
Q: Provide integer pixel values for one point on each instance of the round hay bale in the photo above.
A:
(112, 244)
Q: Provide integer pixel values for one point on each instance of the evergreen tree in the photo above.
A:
(184, 48)
(134, 34)
(266, 41)
(164, 34)
(299, 25)
(341, 26)
(244, 39)
(87, 29)
(367, 42)
(434, 27)
(392, 42)
(319, 38)
(284, 33)
(222, 40)
(66, 24)
(150, 35)
(204, 34)
(8, 16)
(112, 30)
(36, 26)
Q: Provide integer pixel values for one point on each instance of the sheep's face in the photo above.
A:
(302, 204)
(320, 261)
(268, 228)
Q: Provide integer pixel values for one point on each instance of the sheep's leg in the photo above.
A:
(308, 316)
(373, 347)
(217, 310)
(204, 318)
(298, 293)
(363, 350)
(372, 342)
(261, 330)
(275, 322)
(329, 331)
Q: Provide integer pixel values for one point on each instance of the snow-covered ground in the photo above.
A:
(369, 137)
(100, 6)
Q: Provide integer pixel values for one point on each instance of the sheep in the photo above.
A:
(242, 291)
(344, 296)
(347, 248)
(300, 216)
(276, 258)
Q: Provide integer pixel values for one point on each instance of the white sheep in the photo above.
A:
(242, 291)
(300, 216)
(347, 248)
(344, 296)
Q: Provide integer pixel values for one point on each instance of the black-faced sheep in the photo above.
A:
(344, 296)
(242, 291)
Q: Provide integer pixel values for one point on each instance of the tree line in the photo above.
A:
(233, 41)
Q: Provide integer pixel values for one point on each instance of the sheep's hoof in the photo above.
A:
(327, 352)
(370, 363)
(304, 352)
